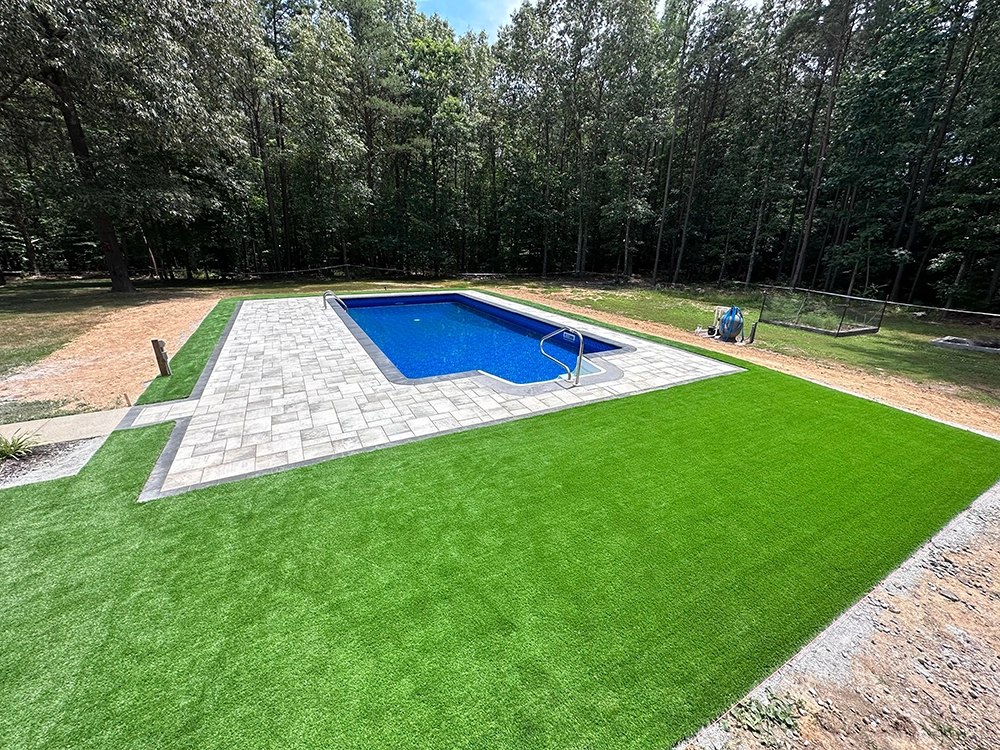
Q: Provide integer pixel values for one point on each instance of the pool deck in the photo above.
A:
(292, 385)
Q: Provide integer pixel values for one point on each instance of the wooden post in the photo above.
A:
(160, 350)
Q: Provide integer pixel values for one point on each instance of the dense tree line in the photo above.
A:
(846, 145)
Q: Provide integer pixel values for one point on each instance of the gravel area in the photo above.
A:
(52, 461)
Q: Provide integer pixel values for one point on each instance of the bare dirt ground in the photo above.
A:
(931, 400)
(112, 360)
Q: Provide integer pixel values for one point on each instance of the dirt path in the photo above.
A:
(113, 359)
(933, 401)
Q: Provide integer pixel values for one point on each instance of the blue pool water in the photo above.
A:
(431, 335)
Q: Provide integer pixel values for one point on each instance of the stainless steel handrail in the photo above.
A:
(334, 295)
(579, 356)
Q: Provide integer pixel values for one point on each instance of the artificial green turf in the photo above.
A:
(186, 366)
(609, 576)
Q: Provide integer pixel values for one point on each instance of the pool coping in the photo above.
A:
(609, 372)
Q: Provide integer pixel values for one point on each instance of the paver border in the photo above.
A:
(166, 458)
(152, 489)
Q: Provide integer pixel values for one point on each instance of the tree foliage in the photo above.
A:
(847, 145)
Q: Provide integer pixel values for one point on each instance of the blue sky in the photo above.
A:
(485, 15)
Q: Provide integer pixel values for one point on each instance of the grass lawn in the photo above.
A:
(902, 347)
(36, 318)
(610, 576)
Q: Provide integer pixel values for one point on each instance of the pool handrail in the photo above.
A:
(336, 297)
(579, 356)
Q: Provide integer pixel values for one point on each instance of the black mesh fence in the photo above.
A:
(821, 312)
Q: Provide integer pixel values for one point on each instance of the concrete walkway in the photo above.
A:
(62, 429)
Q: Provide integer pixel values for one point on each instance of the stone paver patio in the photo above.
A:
(293, 385)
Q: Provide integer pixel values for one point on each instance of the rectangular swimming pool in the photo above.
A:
(445, 334)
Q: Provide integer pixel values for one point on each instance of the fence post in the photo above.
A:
(843, 315)
(160, 350)
(882, 314)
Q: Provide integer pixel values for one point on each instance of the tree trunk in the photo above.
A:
(278, 115)
(663, 208)
(826, 236)
(756, 232)
(920, 270)
(103, 226)
(369, 137)
(690, 198)
(941, 132)
(802, 171)
(707, 116)
(673, 139)
(494, 206)
(547, 209)
(898, 280)
(286, 215)
(817, 181)
(258, 148)
(581, 242)
(910, 190)
(545, 237)
(831, 276)
(917, 167)
(628, 230)
(966, 262)
(29, 246)
(149, 249)
(854, 275)
(343, 252)
(581, 251)
(272, 216)
(994, 283)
